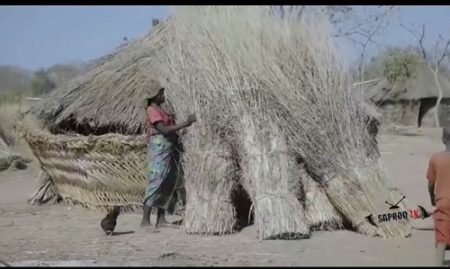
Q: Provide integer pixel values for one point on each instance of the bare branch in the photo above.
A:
(300, 12)
(444, 53)
(422, 36)
(419, 37)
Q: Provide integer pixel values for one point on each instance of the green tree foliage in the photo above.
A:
(15, 82)
(61, 73)
(41, 83)
(399, 64)
(393, 63)
(13, 79)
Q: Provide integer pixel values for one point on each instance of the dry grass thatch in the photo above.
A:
(13, 152)
(320, 212)
(209, 168)
(46, 193)
(199, 58)
(294, 69)
(265, 89)
(210, 179)
(111, 92)
(270, 176)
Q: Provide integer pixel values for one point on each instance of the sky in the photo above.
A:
(435, 18)
(34, 37)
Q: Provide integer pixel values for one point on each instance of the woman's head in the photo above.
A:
(157, 99)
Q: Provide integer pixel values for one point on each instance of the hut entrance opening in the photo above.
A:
(426, 104)
(242, 204)
(427, 110)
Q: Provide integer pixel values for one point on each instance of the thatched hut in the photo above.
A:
(9, 159)
(411, 102)
(94, 148)
(93, 145)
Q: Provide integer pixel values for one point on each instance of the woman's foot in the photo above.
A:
(148, 227)
(164, 223)
(151, 229)
(145, 223)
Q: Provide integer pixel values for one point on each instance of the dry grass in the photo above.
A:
(117, 81)
(274, 86)
(94, 171)
(16, 147)
(213, 85)
(9, 114)
(320, 213)
(291, 69)
(209, 168)
(210, 179)
(270, 176)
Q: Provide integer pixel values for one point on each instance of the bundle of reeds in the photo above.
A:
(210, 180)
(46, 192)
(269, 174)
(292, 64)
(216, 81)
(209, 169)
(320, 213)
(315, 93)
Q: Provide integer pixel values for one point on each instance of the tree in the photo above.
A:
(60, 73)
(41, 83)
(13, 79)
(393, 63)
(361, 30)
(398, 64)
(433, 58)
(349, 23)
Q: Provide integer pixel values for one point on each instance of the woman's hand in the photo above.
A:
(431, 210)
(191, 119)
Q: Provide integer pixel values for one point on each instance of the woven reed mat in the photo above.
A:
(93, 171)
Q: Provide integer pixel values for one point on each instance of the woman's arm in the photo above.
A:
(166, 130)
(431, 192)
(431, 176)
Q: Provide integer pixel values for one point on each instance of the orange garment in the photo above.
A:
(439, 173)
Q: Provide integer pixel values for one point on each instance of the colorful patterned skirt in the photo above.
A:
(161, 172)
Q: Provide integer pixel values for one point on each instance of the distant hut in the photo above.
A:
(411, 102)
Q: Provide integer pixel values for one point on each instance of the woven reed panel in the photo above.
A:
(93, 171)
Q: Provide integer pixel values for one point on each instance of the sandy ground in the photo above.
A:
(68, 236)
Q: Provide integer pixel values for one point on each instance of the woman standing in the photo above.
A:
(162, 156)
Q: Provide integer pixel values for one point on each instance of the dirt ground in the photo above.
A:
(67, 236)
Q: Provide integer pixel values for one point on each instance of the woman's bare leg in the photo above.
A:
(146, 216)
(440, 254)
(161, 219)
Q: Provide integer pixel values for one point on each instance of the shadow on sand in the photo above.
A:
(121, 233)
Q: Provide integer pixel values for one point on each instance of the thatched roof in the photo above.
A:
(421, 85)
(111, 91)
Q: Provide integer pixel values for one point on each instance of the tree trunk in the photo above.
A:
(440, 95)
